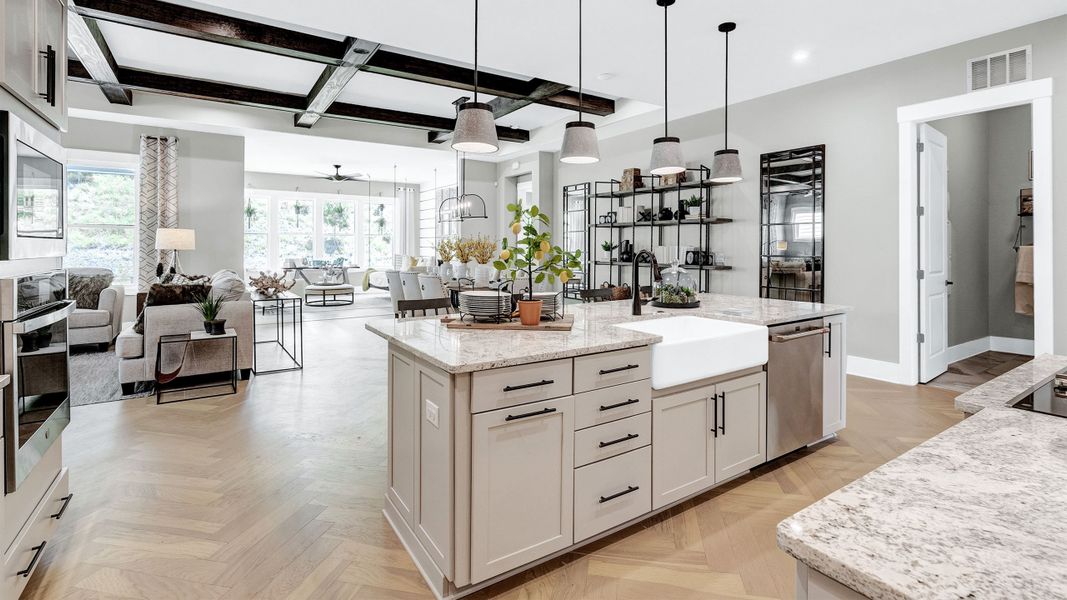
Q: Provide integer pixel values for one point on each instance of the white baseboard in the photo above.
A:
(995, 343)
(874, 369)
(967, 349)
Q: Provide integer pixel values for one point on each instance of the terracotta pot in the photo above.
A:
(530, 312)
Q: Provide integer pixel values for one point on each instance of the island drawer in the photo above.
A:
(611, 368)
(612, 439)
(612, 492)
(521, 384)
(25, 554)
(612, 403)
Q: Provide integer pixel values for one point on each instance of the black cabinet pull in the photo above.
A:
(715, 415)
(63, 509)
(617, 369)
(629, 489)
(830, 340)
(620, 404)
(525, 386)
(33, 562)
(50, 74)
(618, 441)
(544, 411)
(722, 424)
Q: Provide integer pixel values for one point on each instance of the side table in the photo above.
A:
(279, 305)
(188, 339)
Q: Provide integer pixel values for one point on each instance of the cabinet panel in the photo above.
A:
(683, 449)
(20, 43)
(37, 533)
(434, 514)
(51, 32)
(595, 371)
(741, 442)
(522, 484)
(403, 438)
(835, 376)
(511, 386)
(612, 403)
(610, 439)
(612, 492)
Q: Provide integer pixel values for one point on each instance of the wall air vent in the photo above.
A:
(1000, 68)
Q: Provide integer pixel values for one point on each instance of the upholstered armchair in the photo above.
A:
(97, 325)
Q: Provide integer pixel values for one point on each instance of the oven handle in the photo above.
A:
(46, 319)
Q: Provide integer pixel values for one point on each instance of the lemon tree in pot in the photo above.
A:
(209, 307)
(533, 254)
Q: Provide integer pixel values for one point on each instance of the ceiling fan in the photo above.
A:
(338, 176)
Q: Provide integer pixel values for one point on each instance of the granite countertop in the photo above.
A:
(975, 512)
(462, 351)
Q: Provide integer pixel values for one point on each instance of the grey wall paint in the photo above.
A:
(481, 180)
(855, 116)
(1009, 150)
(968, 188)
(210, 185)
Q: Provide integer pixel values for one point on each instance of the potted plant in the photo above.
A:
(694, 202)
(483, 250)
(463, 255)
(209, 308)
(608, 248)
(533, 254)
(251, 212)
(446, 251)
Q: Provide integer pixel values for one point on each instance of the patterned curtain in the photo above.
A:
(158, 203)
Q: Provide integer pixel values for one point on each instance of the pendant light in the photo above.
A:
(579, 139)
(475, 130)
(462, 206)
(666, 151)
(726, 167)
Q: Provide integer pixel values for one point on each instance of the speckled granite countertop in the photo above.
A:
(461, 351)
(979, 511)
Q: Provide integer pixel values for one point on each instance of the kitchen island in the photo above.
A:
(979, 511)
(507, 448)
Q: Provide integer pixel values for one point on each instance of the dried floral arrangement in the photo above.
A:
(483, 249)
(446, 250)
(463, 249)
(270, 285)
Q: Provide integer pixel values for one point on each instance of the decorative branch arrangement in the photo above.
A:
(270, 285)
(482, 249)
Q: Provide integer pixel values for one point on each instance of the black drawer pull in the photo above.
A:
(618, 441)
(63, 509)
(617, 369)
(544, 411)
(525, 386)
(620, 404)
(33, 562)
(629, 489)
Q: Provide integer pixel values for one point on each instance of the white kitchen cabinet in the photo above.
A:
(741, 443)
(403, 435)
(30, 28)
(522, 485)
(683, 447)
(835, 374)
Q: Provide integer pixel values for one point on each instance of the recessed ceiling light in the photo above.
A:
(605, 76)
(801, 56)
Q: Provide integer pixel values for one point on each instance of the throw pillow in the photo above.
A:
(227, 285)
(85, 285)
(185, 279)
(161, 294)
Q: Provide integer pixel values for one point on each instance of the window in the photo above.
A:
(257, 228)
(339, 230)
(804, 230)
(296, 233)
(378, 227)
(102, 220)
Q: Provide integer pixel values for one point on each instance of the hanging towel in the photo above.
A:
(1024, 281)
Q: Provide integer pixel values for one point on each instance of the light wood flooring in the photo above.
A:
(972, 372)
(278, 492)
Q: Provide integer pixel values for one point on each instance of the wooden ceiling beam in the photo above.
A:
(333, 80)
(214, 91)
(87, 42)
(505, 106)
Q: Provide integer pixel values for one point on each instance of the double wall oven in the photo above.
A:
(34, 310)
(32, 219)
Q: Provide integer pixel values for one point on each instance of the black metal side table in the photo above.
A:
(189, 339)
(279, 305)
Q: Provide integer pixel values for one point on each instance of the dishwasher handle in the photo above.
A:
(780, 339)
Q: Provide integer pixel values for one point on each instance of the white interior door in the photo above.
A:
(933, 253)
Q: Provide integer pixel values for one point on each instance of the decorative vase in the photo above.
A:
(530, 312)
(460, 270)
(445, 270)
(482, 275)
(215, 327)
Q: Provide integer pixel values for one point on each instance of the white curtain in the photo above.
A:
(158, 203)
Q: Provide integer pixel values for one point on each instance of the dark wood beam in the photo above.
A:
(214, 91)
(505, 106)
(212, 27)
(87, 42)
(333, 80)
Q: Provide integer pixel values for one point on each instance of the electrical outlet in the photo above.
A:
(431, 413)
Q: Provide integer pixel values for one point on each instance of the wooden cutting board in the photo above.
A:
(564, 323)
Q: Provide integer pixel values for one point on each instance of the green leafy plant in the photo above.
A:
(532, 251)
(251, 212)
(209, 306)
(670, 293)
(337, 216)
(608, 247)
(694, 201)
(300, 209)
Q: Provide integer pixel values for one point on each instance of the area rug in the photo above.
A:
(94, 378)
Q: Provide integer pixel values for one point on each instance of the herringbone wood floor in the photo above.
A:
(277, 493)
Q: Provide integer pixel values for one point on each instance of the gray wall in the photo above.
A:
(1009, 149)
(855, 116)
(210, 185)
(481, 180)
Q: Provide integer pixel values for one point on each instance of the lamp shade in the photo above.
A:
(175, 239)
(580, 146)
(667, 156)
(475, 131)
(726, 167)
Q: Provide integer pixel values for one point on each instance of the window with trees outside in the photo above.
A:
(102, 220)
(357, 230)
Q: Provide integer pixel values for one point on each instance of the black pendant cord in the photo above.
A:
(579, 60)
(665, 116)
(726, 97)
(476, 50)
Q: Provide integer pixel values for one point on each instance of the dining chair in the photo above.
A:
(432, 287)
(410, 281)
(396, 288)
(408, 308)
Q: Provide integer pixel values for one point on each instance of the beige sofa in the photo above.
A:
(98, 325)
(137, 352)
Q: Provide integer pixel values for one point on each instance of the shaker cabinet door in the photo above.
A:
(741, 442)
(20, 47)
(51, 33)
(683, 446)
(834, 375)
(522, 482)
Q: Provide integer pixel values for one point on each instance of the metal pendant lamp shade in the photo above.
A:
(475, 131)
(667, 156)
(580, 146)
(726, 168)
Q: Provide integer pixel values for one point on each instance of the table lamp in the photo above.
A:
(169, 238)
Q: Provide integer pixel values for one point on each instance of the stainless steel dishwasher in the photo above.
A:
(794, 386)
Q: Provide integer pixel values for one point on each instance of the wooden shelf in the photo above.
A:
(616, 263)
(649, 191)
(705, 221)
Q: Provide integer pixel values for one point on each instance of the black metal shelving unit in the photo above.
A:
(793, 204)
(576, 233)
(650, 233)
